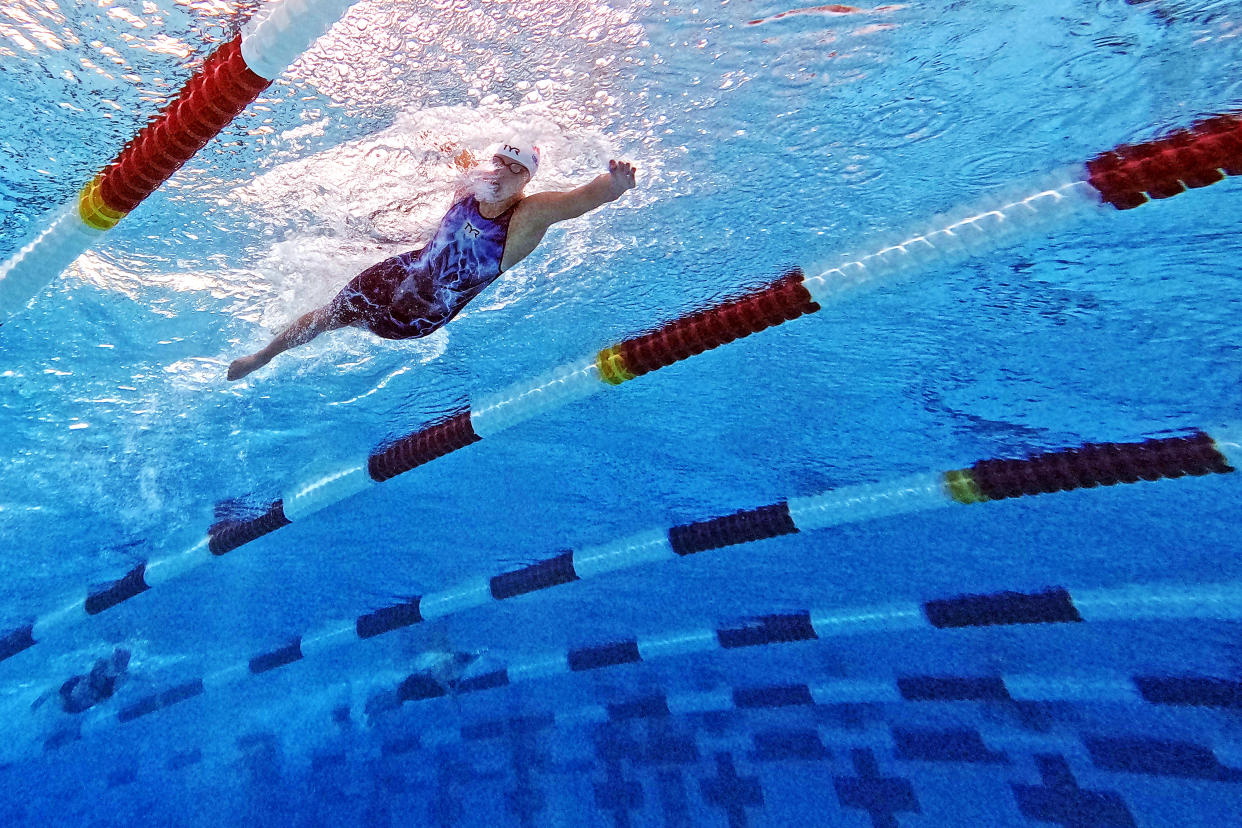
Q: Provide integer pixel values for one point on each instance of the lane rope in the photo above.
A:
(228, 81)
(1096, 464)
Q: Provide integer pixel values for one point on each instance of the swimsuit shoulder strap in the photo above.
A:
(508, 214)
(502, 219)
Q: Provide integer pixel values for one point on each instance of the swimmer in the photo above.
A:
(81, 693)
(482, 235)
(445, 667)
(441, 669)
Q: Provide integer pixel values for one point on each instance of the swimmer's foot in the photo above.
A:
(245, 365)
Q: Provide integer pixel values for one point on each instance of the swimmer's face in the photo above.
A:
(507, 177)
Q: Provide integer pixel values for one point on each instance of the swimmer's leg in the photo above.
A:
(306, 328)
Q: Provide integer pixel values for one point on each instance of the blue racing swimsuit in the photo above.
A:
(413, 294)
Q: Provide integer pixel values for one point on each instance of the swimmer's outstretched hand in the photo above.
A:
(622, 173)
(242, 366)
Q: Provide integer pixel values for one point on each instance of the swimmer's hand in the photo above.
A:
(622, 173)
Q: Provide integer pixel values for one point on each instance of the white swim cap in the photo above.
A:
(525, 154)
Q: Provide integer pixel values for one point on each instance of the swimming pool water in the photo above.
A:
(764, 140)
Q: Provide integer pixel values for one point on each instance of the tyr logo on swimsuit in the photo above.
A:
(470, 230)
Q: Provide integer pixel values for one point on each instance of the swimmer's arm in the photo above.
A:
(548, 208)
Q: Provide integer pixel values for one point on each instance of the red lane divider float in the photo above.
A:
(217, 94)
(1190, 158)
